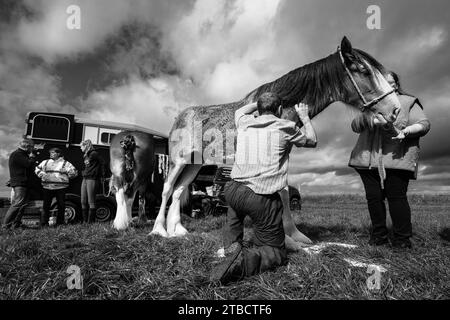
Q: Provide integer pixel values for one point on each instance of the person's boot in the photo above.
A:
(401, 244)
(60, 218)
(91, 218)
(229, 268)
(44, 219)
(378, 241)
(85, 214)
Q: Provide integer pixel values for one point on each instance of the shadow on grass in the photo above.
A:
(321, 233)
(445, 234)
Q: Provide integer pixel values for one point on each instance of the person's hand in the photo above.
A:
(39, 146)
(302, 111)
(402, 134)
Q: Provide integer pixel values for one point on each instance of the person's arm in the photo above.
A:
(309, 139)
(24, 161)
(245, 110)
(71, 170)
(39, 170)
(419, 126)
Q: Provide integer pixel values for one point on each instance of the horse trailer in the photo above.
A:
(67, 132)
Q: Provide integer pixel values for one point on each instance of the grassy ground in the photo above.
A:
(133, 265)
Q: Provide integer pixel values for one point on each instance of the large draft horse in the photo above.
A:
(131, 165)
(348, 75)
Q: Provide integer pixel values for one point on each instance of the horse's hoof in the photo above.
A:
(294, 246)
(159, 231)
(179, 231)
(120, 225)
(300, 237)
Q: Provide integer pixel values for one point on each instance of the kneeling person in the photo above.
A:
(258, 174)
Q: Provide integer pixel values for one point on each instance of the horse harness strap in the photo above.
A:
(366, 104)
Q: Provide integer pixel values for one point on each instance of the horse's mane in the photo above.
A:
(317, 84)
(128, 145)
(371, 60)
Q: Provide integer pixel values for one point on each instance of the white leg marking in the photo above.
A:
(121, 220)
(288, 221)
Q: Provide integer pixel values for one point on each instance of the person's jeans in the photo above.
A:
(88, 192)
(60, 195)
(266, 213)
(395, 189)
(14, 214)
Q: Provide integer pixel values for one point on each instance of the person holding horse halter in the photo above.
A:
(259, 173)
(393, 150)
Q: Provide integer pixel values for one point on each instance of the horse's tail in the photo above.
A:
(128, 145)
(184, 199)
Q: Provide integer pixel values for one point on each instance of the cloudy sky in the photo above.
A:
(143, 61)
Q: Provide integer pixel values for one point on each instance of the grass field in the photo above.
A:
(133, 265)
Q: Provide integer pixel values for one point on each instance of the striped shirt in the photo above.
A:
(262, 151)
(55, 174)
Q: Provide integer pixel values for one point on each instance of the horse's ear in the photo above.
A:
(346, 46)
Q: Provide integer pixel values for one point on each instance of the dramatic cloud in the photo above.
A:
(153, 103)
(47, 36)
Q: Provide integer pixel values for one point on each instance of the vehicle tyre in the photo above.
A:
(104, 211)
(71, 212)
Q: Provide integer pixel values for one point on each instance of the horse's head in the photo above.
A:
(369, 90)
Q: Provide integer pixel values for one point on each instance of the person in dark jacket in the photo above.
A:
(21, 163)
(92, 172)
(386, 157)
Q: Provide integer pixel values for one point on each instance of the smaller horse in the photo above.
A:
(131, 153)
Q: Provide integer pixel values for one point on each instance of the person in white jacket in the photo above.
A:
(55, 174)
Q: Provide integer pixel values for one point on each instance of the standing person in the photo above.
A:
(21, 163)
(55, 174)
(92, 173)
(386, 157)
(259, 173)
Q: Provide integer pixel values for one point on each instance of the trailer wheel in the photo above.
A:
(71, 212)
(104, 212)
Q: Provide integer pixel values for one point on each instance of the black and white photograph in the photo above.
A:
(226, 155)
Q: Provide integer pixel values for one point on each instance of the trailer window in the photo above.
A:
(91, 133)
(50, 127)
(106, 137)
